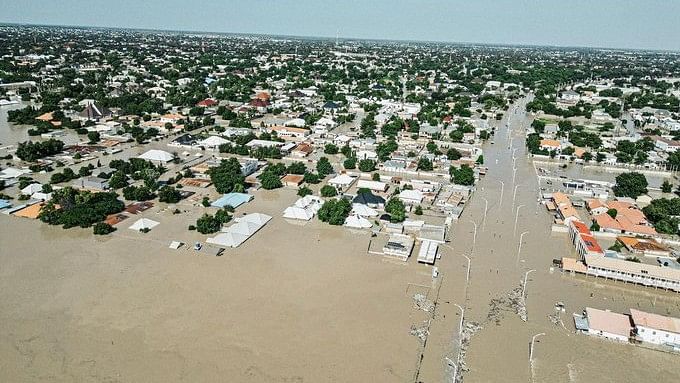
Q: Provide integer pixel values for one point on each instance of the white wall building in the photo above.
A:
(656, 329)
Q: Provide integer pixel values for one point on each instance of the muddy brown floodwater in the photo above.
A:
(499, 351)
(293, 304)
(305, 303)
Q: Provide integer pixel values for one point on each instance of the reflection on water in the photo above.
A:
(10, 134)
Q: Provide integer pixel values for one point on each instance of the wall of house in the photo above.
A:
(657, 337)
(607, 335)
(634, 278)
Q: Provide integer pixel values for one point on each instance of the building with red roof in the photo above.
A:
(207, 103)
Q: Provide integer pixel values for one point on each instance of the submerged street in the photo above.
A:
(488, 235)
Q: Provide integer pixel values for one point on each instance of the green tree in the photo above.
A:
(568, 151)
(395, 207)
(666, 186)
(456, 135)
(297, 167)
(304, 191)
(346, 151)
(328, 191)
(69, 207)
(335, 211)
(84, 171)
(102, 228)
(538, 125)
(453, 154)
(418, 210)
(463, 176)
(208, 224)
(269, 180)
(630, 185)
(349, 163)
(424, 164)
(138, 193)
(169, 194)
(324, 167)
(330, 149)
(32, 151)
(612, 213)
(311, 178)
(227, 175)
(366, 165)
(94, 137)
(587, 157)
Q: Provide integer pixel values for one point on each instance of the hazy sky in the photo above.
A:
(650, 24)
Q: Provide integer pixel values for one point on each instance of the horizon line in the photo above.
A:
(269, 35)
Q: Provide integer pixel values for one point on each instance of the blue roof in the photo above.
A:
(4, 203)
(232, 199)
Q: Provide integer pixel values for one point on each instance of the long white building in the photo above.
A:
(633, 272)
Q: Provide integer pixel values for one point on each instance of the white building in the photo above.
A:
(428, 252)
(633, 272)
(656, 329)
(608, 325)
(372, 185)
(399, 246)
(342, 181)
(411, 197)
(157, 156)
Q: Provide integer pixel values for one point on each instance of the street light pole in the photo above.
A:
(514, 195)
(519, 248)
(500, 203)
(486, 208)
(524, 284)
(514, 174)
(514, 233)
(467, 274)
(474, 236)
(460, 344)
(531, 354)
(462, 316)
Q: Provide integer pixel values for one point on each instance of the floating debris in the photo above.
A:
(422, 303)
(421, 331)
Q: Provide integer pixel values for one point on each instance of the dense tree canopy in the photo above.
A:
(335, 211)
(69, 207)
(227, 175)
(630, 185)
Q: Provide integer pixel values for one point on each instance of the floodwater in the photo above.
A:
(293, 304)
(499, 351)
(305, 303)
(597, 172)
(10, 134)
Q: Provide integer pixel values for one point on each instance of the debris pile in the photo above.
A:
(422, 303)
(470, 329)
(421, 331)
(513, 301)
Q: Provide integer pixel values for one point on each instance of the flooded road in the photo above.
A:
(499, 350)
